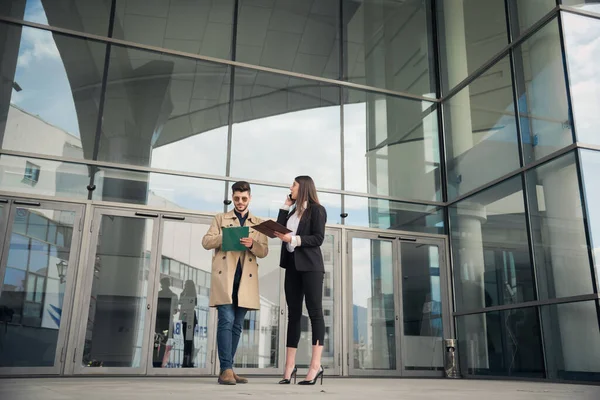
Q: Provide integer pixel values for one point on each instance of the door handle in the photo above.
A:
(151, 215)
(408, 239)
(27, 203)
(174, 217)
(3, 201)
(387, 237)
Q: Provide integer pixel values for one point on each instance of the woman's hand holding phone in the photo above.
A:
(288, 200)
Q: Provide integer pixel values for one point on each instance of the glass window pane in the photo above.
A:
(373, 309)
(587, 5)
(490, 247)
(57, 178)
(37, 227)
(572, 340)
(583, 52)
(561, 253)
(481, 131)
(590, 165)
(52, 108)
(391, 146)
(193, 26)
(165, 112)
(524, 14)
(542, 94)
(18, 256)
(293, 35)
(159, 190)
(386, 214)
(285, 127)
(466, 43)
(90, 16)
(501, 343)
(39, 257)
(389, 44)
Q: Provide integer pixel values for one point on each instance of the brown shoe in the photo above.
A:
(227, 377)
(239, 379)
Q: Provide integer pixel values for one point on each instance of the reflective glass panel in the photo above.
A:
(543, 106)
(50, 94)
(481, 132)
(386, 214)
(373, 308)
(285, 127)
(159, 190)
(55, 178)
(501, 343)
(388, 44)
(89, 16)
(490, 248)
(391, 146)
(524, 14)
(192, 26)
(165, 112)
(117, 302)
(259, 343)
(33, 291)
(583, 53)
(587, 5)
(182, 324)
(471, 32)
(572, 341)
(590, 165)
(561, 253)
(293, 35)
(421, 307)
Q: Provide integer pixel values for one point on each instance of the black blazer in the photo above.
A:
(311, 229)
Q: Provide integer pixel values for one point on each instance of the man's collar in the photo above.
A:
(249, 216)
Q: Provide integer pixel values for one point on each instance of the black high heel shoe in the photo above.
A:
(312, 382)
(288, 381)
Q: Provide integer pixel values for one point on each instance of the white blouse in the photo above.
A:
(292, 225)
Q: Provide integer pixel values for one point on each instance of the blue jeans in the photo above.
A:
(229, 330)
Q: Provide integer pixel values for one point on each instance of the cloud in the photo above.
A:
(37, 46)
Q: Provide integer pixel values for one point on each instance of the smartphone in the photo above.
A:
(290, 197)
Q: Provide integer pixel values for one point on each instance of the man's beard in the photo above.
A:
(242, 209)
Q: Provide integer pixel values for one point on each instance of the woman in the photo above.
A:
(188, 301)
(304, 271)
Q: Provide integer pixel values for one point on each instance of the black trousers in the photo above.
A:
(299, 285)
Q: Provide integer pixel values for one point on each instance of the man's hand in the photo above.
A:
(248, 242)
(285, 238)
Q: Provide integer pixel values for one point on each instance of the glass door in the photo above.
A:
(38, 259)
(183, 337)
(117, 285)
(398, 302)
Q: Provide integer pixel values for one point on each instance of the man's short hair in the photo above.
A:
(241, 186)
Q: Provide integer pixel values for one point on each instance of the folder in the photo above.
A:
(269, 227)
(232, 236)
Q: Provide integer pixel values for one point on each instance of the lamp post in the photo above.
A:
(62, 270)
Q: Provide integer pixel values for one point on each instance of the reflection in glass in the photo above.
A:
(32, 297)
(182, 325)
(490, 247)
(421, 306)
(159, 190)
(89, 16)
(509, 344)
(590, 165)
(259, 343)
(543, 108)
(582, 50)
(303, 357)
(373, 309)
(50, 104)
(481, 131)
(117, 303)
(299, 35)
(386, 214)
(557, 220)
(587, 5)
(285, 127)
(391, 146)
(56, 178)
(471, 32)
(572, 340)
(165, 112)
(524, 14)
(193, 26)
(388, 44)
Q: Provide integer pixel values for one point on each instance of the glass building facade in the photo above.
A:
(451, 141)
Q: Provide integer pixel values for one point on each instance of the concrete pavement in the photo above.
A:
(266, 388)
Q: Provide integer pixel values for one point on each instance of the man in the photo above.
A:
(234, 278)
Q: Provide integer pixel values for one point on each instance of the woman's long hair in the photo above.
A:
(307, 193)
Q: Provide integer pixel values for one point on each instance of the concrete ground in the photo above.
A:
(266, 388)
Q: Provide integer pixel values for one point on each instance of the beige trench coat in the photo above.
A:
(224, 264)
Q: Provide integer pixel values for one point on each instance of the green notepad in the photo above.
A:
(232, 236)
